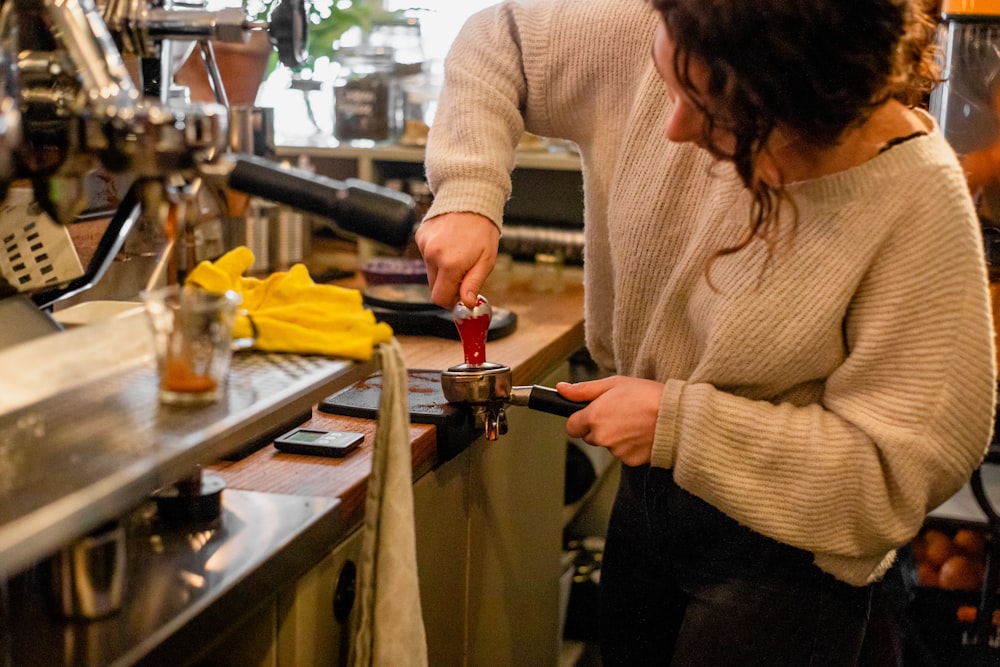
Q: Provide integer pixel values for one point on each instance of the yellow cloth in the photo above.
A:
(288, 312)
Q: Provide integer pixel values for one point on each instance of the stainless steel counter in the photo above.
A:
(83, 438)
(185, 586)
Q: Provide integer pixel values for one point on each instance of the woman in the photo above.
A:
(788, 282)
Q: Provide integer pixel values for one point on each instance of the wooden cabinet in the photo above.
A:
(515, 540)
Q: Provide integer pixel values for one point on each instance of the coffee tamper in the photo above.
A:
(486, 386)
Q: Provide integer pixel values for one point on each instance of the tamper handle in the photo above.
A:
(473, 326)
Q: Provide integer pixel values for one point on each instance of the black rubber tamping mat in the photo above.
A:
(439, 322)
(427, 405)
(408, 309)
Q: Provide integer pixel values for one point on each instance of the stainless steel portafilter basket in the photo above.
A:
(486, 388)
(476, 383)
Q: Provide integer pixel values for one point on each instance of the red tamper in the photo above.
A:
(487, 386)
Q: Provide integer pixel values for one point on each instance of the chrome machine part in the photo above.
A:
(184, 586)
(476, 384)
(105, 87)
(88, 575)
(89, 395)
(166, 32)
(67, 95)
(142, 27)
(158, 142)
(79, 109)
(81, 106)
(486, 388)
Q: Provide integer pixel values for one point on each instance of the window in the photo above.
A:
(440, 21)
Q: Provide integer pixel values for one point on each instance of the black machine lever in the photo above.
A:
(359, 207)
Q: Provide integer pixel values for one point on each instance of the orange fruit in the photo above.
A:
(961, 573)
(918, 547)
(927, 575)
(971, 542)
(939, 547)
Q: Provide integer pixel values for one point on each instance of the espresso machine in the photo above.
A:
(84, 443)
(70, 108)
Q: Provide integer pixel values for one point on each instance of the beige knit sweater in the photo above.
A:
(827, 397)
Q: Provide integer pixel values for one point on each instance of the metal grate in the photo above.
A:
(36, 251)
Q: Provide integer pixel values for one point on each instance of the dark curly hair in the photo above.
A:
(812, 67)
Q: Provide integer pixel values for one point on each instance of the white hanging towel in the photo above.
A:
(388, 623)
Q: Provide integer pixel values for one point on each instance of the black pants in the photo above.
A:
(683, 584)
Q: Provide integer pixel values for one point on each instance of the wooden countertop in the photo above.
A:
(549, 329)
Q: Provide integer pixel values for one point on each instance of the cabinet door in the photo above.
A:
(440, 504)
(515, 525)
(250, 644)
(309, 635)
(489, 539)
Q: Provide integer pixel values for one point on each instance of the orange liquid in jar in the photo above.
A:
(180, 378)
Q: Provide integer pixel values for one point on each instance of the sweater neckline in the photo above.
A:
(895, 141)
(840, 188)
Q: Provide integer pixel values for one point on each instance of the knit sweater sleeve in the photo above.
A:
(545, 66)
(900, 422)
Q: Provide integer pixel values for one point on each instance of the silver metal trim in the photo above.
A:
(83, 438)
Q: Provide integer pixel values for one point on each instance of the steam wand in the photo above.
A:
(487, 386)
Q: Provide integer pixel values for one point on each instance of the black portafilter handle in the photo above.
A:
(545, 399)
(359, 207)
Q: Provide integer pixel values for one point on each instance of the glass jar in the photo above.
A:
(403, 36)
(365, 95)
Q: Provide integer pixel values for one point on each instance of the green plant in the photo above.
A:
(328, 21)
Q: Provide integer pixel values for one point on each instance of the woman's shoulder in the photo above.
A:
(596, 25)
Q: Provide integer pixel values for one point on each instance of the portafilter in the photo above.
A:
(487, 387)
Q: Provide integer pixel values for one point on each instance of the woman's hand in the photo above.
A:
(460, 250)
(621, 415)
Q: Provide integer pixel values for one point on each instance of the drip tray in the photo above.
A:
(427, 405)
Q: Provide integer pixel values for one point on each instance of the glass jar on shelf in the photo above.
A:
(365, 95)
(415, 95)
(402, 35)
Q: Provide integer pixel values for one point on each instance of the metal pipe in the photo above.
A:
(101, 70)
